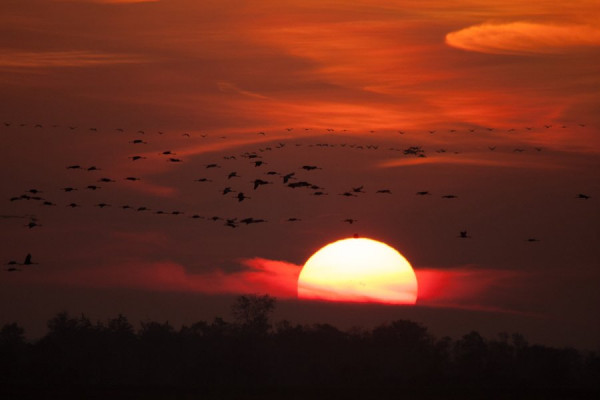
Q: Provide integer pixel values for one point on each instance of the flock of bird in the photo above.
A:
(232, 186)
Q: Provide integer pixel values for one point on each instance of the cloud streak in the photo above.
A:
(49, 59)
(524, 38)
(258, 275)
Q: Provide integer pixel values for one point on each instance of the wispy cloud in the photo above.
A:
(468, 287)
(484, 162)
(45, 59)
(524, 38)
(107, 1)
(257, 275)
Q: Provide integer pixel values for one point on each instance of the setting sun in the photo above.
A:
(358, 270)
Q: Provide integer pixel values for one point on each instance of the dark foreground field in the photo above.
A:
(251, 359)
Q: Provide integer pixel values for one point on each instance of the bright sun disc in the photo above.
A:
(358, 270)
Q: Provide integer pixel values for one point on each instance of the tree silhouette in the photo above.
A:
(252, 312)
(247, 359)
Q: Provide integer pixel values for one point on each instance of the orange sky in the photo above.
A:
(457, 80)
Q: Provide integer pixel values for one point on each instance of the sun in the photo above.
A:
(358, 270)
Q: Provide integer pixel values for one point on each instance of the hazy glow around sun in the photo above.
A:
(359, 270)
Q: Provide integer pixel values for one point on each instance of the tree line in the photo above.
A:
(250, 357)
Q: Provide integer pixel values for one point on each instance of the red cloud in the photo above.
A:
(467, 288)
(523, 38)
(277, 278)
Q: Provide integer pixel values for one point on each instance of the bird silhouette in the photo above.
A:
(259, 182)
(174, 160)
(74, 167)
(138, 141)
(295, 185)
(582, 196)
(202, 180)
(212, 166)
(287, 177)
(387, 191)
(227, 190)
(350, 220)
(32, 224)
(423, 193)
(241, 197)
(132, 178)
(233, 175)
(249, 221)
(231, 223)
(449, 196)
(135, 158)
(310, 167)
(93, 168)
(28, 260)
(358, 189)
(93, 187)
(68, 189)
(106, 180)
(463, 235)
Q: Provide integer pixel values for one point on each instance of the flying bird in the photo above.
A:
(310, 167)
(227, 190)
(249, 221)
(287, 177)
(463, 235)
(259, 182)
(295, 185)
(241, 197)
